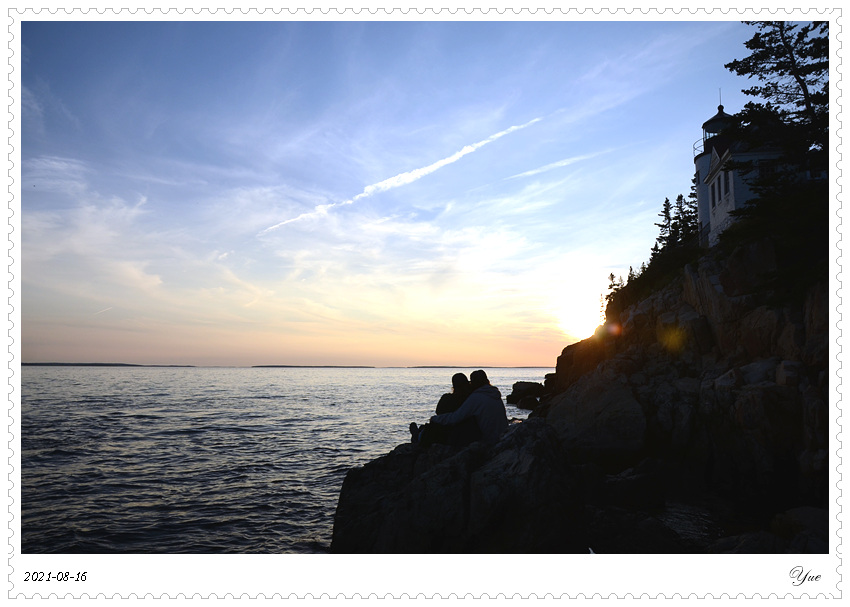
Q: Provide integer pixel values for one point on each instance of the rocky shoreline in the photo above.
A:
(697, 421)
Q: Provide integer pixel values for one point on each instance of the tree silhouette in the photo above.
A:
(792, 61)
(792, 197)
(665, 226)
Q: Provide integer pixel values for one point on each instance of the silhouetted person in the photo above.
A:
(451, 401)
(482, 416)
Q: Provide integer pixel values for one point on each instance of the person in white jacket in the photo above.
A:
(483, 410)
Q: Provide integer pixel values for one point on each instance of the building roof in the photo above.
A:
(718, 159)
(718, 122)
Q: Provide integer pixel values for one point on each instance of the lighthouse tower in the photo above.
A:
(712, 144)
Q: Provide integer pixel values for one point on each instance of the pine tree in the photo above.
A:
(792, 61)
(791, 206)
(665, 225)
(654, 252)
(692, 213)
(678, 227)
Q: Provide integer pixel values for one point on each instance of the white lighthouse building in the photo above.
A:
(720, 189)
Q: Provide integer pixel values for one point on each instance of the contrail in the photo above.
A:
(402, 178)
(102, 311)
(554, 165)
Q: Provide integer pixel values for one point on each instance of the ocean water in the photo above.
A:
(208, 460)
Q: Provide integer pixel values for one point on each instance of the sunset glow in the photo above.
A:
(348, 193)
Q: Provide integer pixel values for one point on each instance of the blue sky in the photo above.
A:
(378, 193)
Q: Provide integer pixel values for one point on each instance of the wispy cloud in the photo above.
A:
(55, 174)
(40, 105)
(402, 178)
(32, 110)
(555, 165)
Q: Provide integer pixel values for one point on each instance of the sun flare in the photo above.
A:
(580, 319)
(577, 305)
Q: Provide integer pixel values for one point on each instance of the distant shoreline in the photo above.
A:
(101, 365)
(311, 367)
(472, 367)
(56, 364)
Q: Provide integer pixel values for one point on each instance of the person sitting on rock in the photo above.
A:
(451, 401)
(482, 416)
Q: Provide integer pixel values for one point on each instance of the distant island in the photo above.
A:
(312, 367)
(97, 365)
(475, 367)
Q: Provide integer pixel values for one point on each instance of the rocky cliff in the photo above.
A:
(694, 422)
(705, 371)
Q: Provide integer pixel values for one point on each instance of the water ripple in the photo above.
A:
(197, 460)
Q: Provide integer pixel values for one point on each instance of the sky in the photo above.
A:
(349, 193)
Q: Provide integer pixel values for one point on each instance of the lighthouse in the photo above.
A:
(721, 187)
(711, 145)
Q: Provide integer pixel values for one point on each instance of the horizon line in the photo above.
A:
(274, 366)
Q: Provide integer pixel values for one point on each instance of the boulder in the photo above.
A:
(528, 402)
(599, 418)
(578, 359)
(524, 389)
(515, 496)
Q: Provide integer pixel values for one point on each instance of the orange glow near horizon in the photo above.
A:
(478, 322)
(504, 346)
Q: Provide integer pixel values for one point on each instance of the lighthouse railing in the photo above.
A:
(699, 146)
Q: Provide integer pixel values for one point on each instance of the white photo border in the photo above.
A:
(428, 576)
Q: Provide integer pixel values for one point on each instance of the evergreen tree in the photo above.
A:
(654, 252)
(678, 227)
(666, 223)
(792, 200)
(792, 61)
(692, 213)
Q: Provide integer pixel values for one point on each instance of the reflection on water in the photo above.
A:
(136, 459)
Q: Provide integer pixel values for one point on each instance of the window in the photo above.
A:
(713, 194)
(725, 182)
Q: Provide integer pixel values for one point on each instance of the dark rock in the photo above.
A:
(513, 497)
(578, 359)
(704, 369)
(788, 373)
(528, 402)
(598, 418)
(799, 531)
(805, 520)
(759, 542)
(525, 389)
(747, 267)
(632, 488)
(816, 319)
(614, 530)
